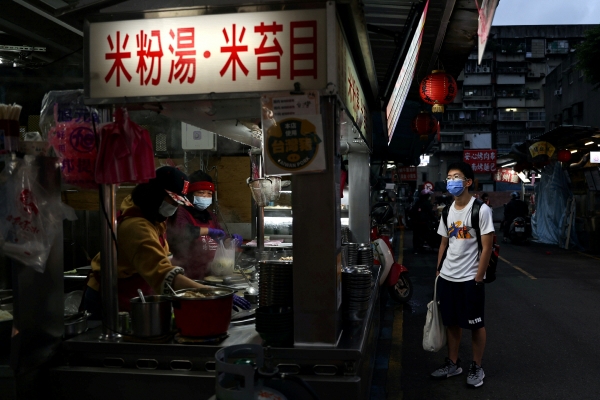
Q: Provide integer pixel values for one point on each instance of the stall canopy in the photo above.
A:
(57, 26)
(577, 139)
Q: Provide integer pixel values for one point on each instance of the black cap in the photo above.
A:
(174, 182)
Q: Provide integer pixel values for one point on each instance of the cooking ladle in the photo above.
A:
(141, 295)
(251, 289)
(172, 291)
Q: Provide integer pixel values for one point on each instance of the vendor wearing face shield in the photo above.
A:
(194, 231)
(142, 248)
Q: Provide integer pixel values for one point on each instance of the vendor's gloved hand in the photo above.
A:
(238, 238)
(216, 233)
(240, 302)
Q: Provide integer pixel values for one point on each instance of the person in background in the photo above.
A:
(193, 231)
(422, 216)
(513, 209)
(142, 249)
(486, 199)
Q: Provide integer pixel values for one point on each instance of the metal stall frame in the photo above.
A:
(336, 351)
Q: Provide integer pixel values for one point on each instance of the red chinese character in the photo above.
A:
(351, 82)
(234, 49)
(262, 49)
(299, 41)
(186, 59)
(144, 46)
(118, 56)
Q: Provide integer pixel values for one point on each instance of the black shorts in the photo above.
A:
(461, 303)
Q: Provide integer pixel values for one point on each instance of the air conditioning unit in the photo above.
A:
(558, 92)
(531, 74)
(486, 69)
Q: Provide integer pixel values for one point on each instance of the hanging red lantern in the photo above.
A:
(437, 89)
(424, 124)
(564, 155)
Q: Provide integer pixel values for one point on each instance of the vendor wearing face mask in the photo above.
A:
(194, 231)
(142, 247)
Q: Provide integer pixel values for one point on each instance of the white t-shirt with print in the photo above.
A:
(462, 261)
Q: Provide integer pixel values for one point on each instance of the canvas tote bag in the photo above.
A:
(434, 333)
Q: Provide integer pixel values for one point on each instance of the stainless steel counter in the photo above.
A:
(343, 370)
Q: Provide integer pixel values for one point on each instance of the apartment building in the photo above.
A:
(501, 100)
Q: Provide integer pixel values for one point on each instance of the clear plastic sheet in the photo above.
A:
(550, 219)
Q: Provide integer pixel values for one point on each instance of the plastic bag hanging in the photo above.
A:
(224, 261)
(28, 216)
(125, 153)
(69, 126)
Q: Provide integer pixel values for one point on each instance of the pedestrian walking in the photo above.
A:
(461, 270)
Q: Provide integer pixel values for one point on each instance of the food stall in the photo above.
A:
(278, 78)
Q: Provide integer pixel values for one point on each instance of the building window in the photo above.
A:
(537, 115)
(558, 47)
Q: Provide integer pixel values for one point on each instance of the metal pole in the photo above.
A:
(108, 260)
(260, 228)
(358, 182)
(260, 212)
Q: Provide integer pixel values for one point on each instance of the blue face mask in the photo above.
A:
(455, 188)
(202, 203)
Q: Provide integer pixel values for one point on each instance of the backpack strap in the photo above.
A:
(445, 212)
(475, 222)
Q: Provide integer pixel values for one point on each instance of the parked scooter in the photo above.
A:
(394, 276)
(519, 230)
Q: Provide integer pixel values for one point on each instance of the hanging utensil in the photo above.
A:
(141, 295)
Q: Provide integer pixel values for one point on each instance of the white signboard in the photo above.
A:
(243, 52)
(405, 78)
(351, 90)
(595, 157)
(292, 133)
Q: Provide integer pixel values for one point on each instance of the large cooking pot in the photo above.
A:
(203, 316)
(152, 318)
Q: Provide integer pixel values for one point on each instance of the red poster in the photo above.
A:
(407, 173)
(506, 175)
(481, 161)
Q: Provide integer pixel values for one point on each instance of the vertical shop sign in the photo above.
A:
(405, 76)
(351, 91)
(486, 16)
(482, 161)
(292, 133)
(221, 53)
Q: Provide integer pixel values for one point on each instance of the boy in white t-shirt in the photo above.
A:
(460, 287)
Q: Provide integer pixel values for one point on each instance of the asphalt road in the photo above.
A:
(543, 333)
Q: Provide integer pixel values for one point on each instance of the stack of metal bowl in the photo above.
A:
(351, 253)
(274, 316)
(356, 291)
(275, 283)
(345, 234)
(275, 325)
(364, 254)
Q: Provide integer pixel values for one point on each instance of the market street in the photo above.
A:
(542, 328)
